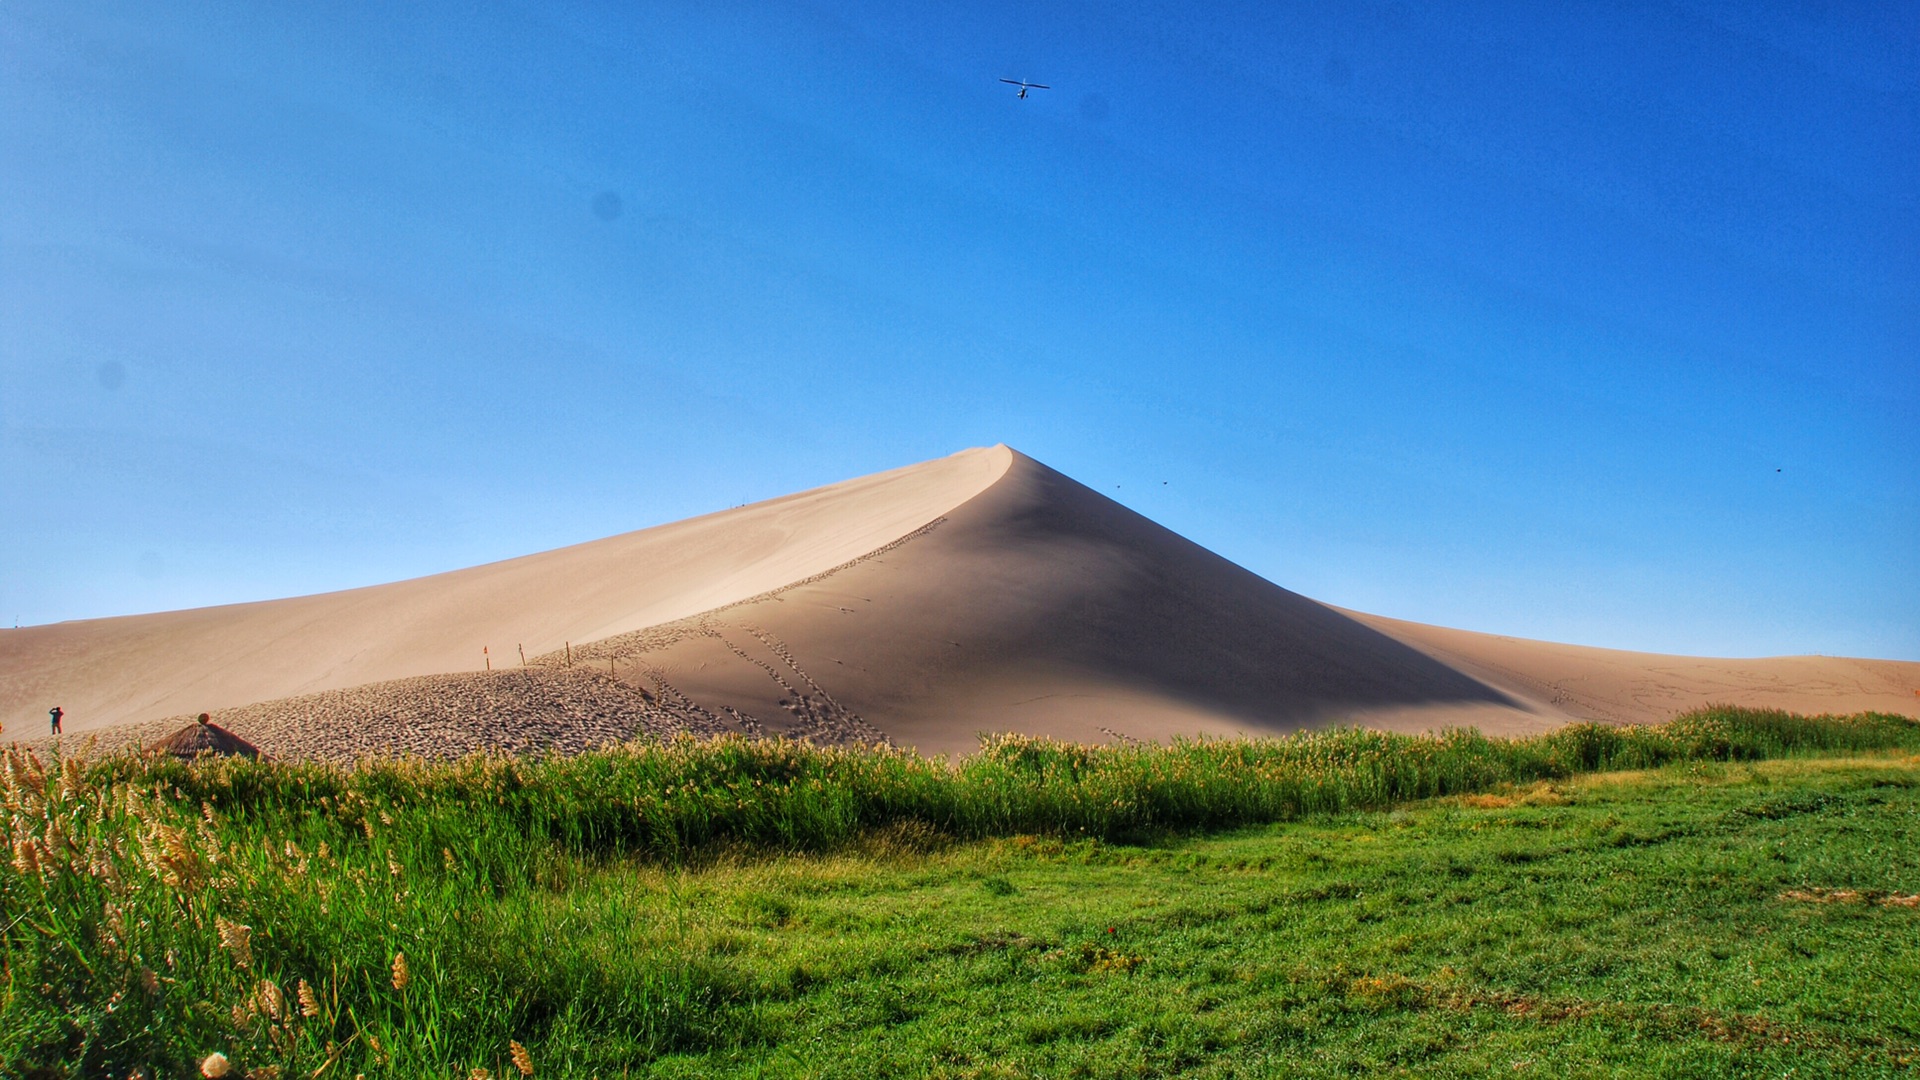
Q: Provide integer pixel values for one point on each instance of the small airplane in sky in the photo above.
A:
(1025, 86)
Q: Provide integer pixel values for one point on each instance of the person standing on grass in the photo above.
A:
(54, 714)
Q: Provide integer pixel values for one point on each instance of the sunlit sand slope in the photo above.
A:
(1633, 687)
(110, 671)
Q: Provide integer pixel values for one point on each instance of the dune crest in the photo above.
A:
(978, 592)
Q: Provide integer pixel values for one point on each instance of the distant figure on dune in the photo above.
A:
(54, 714)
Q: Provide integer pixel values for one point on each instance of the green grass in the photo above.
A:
(761, 909)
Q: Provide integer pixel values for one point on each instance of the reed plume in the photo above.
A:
(271, 1001)
(237, 939)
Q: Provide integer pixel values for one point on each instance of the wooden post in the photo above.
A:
(569, 654)
(523, 654)
(487, 657)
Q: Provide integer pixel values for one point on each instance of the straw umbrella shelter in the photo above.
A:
(204, 737)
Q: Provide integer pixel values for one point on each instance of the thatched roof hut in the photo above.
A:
(204, 737)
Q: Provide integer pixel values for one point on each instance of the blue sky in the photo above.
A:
(1598, 323)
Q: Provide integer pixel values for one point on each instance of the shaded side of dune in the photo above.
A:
(1041, 606)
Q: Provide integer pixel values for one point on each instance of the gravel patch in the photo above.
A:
(543, 710)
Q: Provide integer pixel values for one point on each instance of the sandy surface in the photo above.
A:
(111, 671)
(1617, 686)
(980, 592)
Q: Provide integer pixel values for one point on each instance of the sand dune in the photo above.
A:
(978, 592)
(1616, 686)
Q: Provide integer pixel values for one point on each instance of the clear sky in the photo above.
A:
(1592, 322)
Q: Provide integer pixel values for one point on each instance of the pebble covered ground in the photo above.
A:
(530, 710)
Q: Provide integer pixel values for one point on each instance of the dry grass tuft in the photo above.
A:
(1540, 794)
(1823, 896)
(1850, 896)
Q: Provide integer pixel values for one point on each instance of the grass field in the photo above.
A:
(1743, 901)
